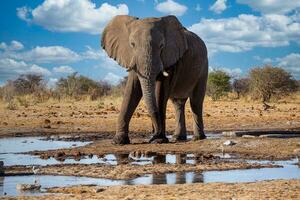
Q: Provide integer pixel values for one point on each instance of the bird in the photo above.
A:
(35, 170)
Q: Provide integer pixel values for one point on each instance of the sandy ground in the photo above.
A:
(280, 189)
(100, 117)
(247, 148)
(87, 120)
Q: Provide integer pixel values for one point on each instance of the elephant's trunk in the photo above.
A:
(148, 89)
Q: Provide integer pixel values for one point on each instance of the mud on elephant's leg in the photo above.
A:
(162, 96)
(131, 99)
(196, 101)
(180, 130)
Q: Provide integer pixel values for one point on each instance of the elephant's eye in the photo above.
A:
(132, 44)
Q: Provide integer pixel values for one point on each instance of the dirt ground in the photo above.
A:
(280, 189)
(95, 120)
(100, 117)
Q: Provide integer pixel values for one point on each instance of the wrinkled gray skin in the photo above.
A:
(164, 61)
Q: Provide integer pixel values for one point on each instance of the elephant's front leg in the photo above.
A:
(131, 99)
(161, 94)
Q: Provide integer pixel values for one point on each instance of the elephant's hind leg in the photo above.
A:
(132, 97)
(180, 130)
(196, 101)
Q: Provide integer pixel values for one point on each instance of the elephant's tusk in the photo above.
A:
(166, 74)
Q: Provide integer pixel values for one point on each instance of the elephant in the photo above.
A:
(164, 61)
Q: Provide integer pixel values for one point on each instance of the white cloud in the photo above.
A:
(49, 54)
(64, 69)
(233, 72)
(52, 82)
(10, 68)
(112, 78)
(71, 15)
(291, 63)
(272, 6)
(13, 46)
(106, 62)
(244, 32)
(219, 6)
(171, 7)
(92, 54)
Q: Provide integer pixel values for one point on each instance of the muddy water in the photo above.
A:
(11, 147)
(289, 171)
(11, 159)
(26, 144)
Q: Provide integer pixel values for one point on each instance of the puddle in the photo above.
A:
(289, 171)
(208, 135)
(134, 158)
(8, 183)
(26, 144)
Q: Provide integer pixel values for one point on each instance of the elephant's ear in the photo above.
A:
(175, 40)
(115, 40)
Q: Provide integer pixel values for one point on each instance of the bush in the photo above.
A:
(75, 86)
(241, 86)
(218, 84)
(268, 81)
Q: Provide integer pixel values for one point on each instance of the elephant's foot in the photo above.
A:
(199, 137)
(158, 139)
(121, 139)
(180, 138)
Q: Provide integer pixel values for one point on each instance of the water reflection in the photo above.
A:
(8, 184)
(134, 158)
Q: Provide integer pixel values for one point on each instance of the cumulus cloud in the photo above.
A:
(219, 6)
(171, 7)
(13, 46)
(71, 15)
(49, 54)
(244, 32)
(291, 63)
(272, 6)
(10, 68)
(52, 82)
(112, 78)
(233, 72)
(64, 69)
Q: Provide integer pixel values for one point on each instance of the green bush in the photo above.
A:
(218, 84)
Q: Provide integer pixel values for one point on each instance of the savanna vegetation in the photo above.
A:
(261, 84)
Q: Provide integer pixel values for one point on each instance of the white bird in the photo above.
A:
(35, 170)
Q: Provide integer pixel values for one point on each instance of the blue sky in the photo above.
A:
(57, 37)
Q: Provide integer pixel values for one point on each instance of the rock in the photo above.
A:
(5, 123)
(25, 187)
(1, 168)
(47, 121)
(248, 136)
(297, 151)
(229, 133)
(229, 143)
(60, 155)
(97, 190)
(47, 126)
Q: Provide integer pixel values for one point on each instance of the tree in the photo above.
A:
(241, 86)
(75, 85)
(271, 81)
(218, 84)
(29, 84)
